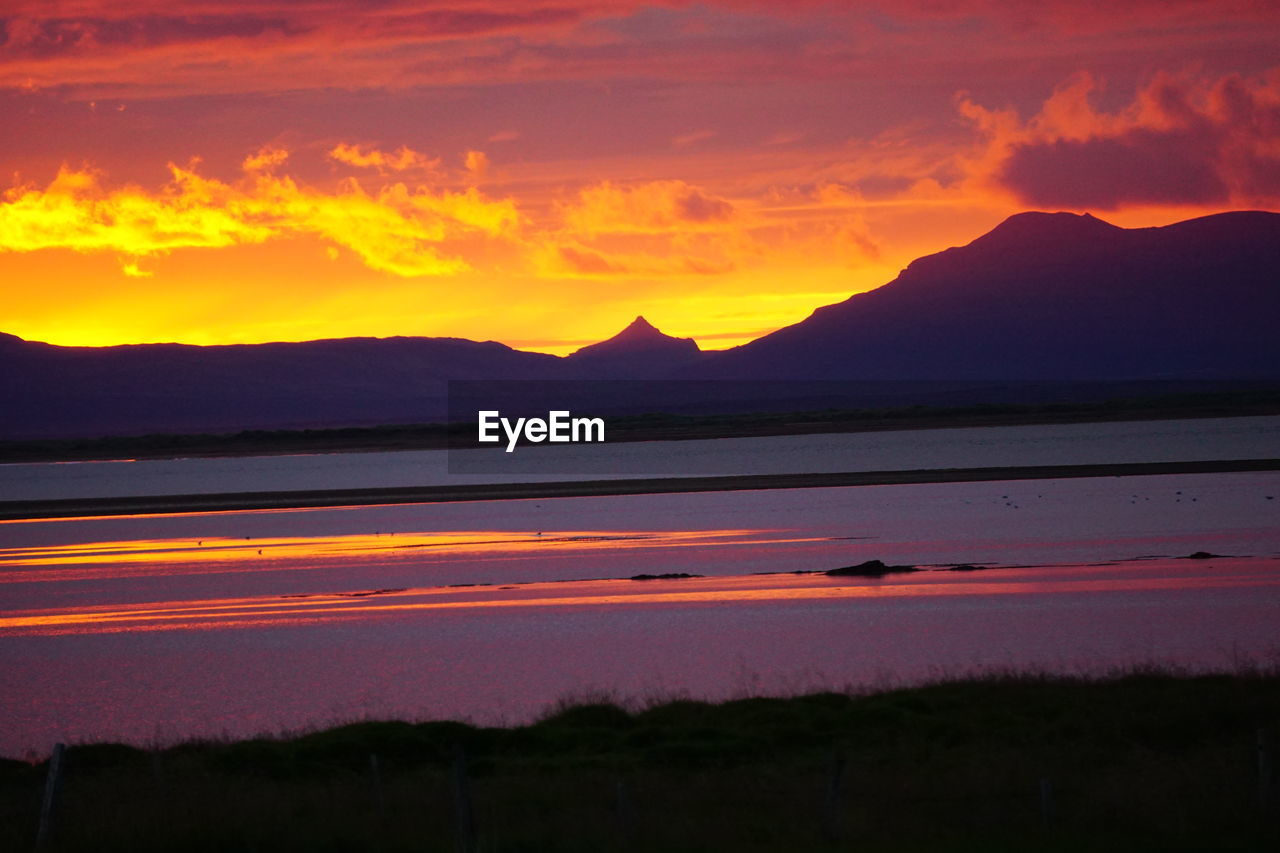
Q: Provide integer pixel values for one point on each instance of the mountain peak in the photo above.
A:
(639, 329)
(640, 339)
(1038, 225)
(1052, 296)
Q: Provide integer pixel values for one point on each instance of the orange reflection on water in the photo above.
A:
(136, 557)
(370, 604)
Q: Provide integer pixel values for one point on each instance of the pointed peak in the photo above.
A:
(641, 324)
(639, 329)
(639, 336)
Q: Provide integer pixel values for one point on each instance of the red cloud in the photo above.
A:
(142, 48)
(1181, 141)
(151, 47)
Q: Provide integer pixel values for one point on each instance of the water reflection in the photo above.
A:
(374, 604)
(169, 627)
(158, 557)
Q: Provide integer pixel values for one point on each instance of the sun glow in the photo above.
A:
(336, 173)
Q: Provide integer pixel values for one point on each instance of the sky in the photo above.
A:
(540, 172)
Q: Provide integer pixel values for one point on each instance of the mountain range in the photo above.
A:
(1042, 298)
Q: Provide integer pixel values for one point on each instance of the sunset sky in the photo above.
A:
(539, 172)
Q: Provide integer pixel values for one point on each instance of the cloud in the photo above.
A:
(693, 138)
(1140, 167)
(1076, 16)
(655, 229)
(663, 229)
(654, 207)
(40, 31)
(131, 269)
(477, 164)
(396, 229)
(400, 160)
(847, 232)
(1180, 141)
(267, 158)
(784, 137)
(141, 45)
(575, 260)
(144, 48)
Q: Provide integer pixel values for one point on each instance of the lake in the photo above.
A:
(159, 628)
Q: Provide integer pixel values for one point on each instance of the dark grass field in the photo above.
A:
(1145, 760)
(654, 427)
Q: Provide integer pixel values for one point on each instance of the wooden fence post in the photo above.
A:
(52, 782)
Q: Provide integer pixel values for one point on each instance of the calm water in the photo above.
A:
(166, 627)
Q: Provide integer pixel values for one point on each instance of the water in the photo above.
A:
(155, 629)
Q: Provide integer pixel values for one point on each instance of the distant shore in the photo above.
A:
(652, 427)
(246, 501)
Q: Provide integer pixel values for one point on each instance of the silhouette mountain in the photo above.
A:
(638, 351)
(1042, 297)
(1052, 296)
(55, 391)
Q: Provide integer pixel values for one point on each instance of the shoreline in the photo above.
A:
(330, 498)
(636, 704)
(627, 429)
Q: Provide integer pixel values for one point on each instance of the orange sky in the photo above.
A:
(540, 172)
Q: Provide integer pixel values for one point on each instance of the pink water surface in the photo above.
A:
(162, 628)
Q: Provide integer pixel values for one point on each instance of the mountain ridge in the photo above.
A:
(1040, 297)
(1134, 297)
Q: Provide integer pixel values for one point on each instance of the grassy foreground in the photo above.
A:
(1142, 761)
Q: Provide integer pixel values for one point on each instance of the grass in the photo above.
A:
(1146, 760)
(1253, 399)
